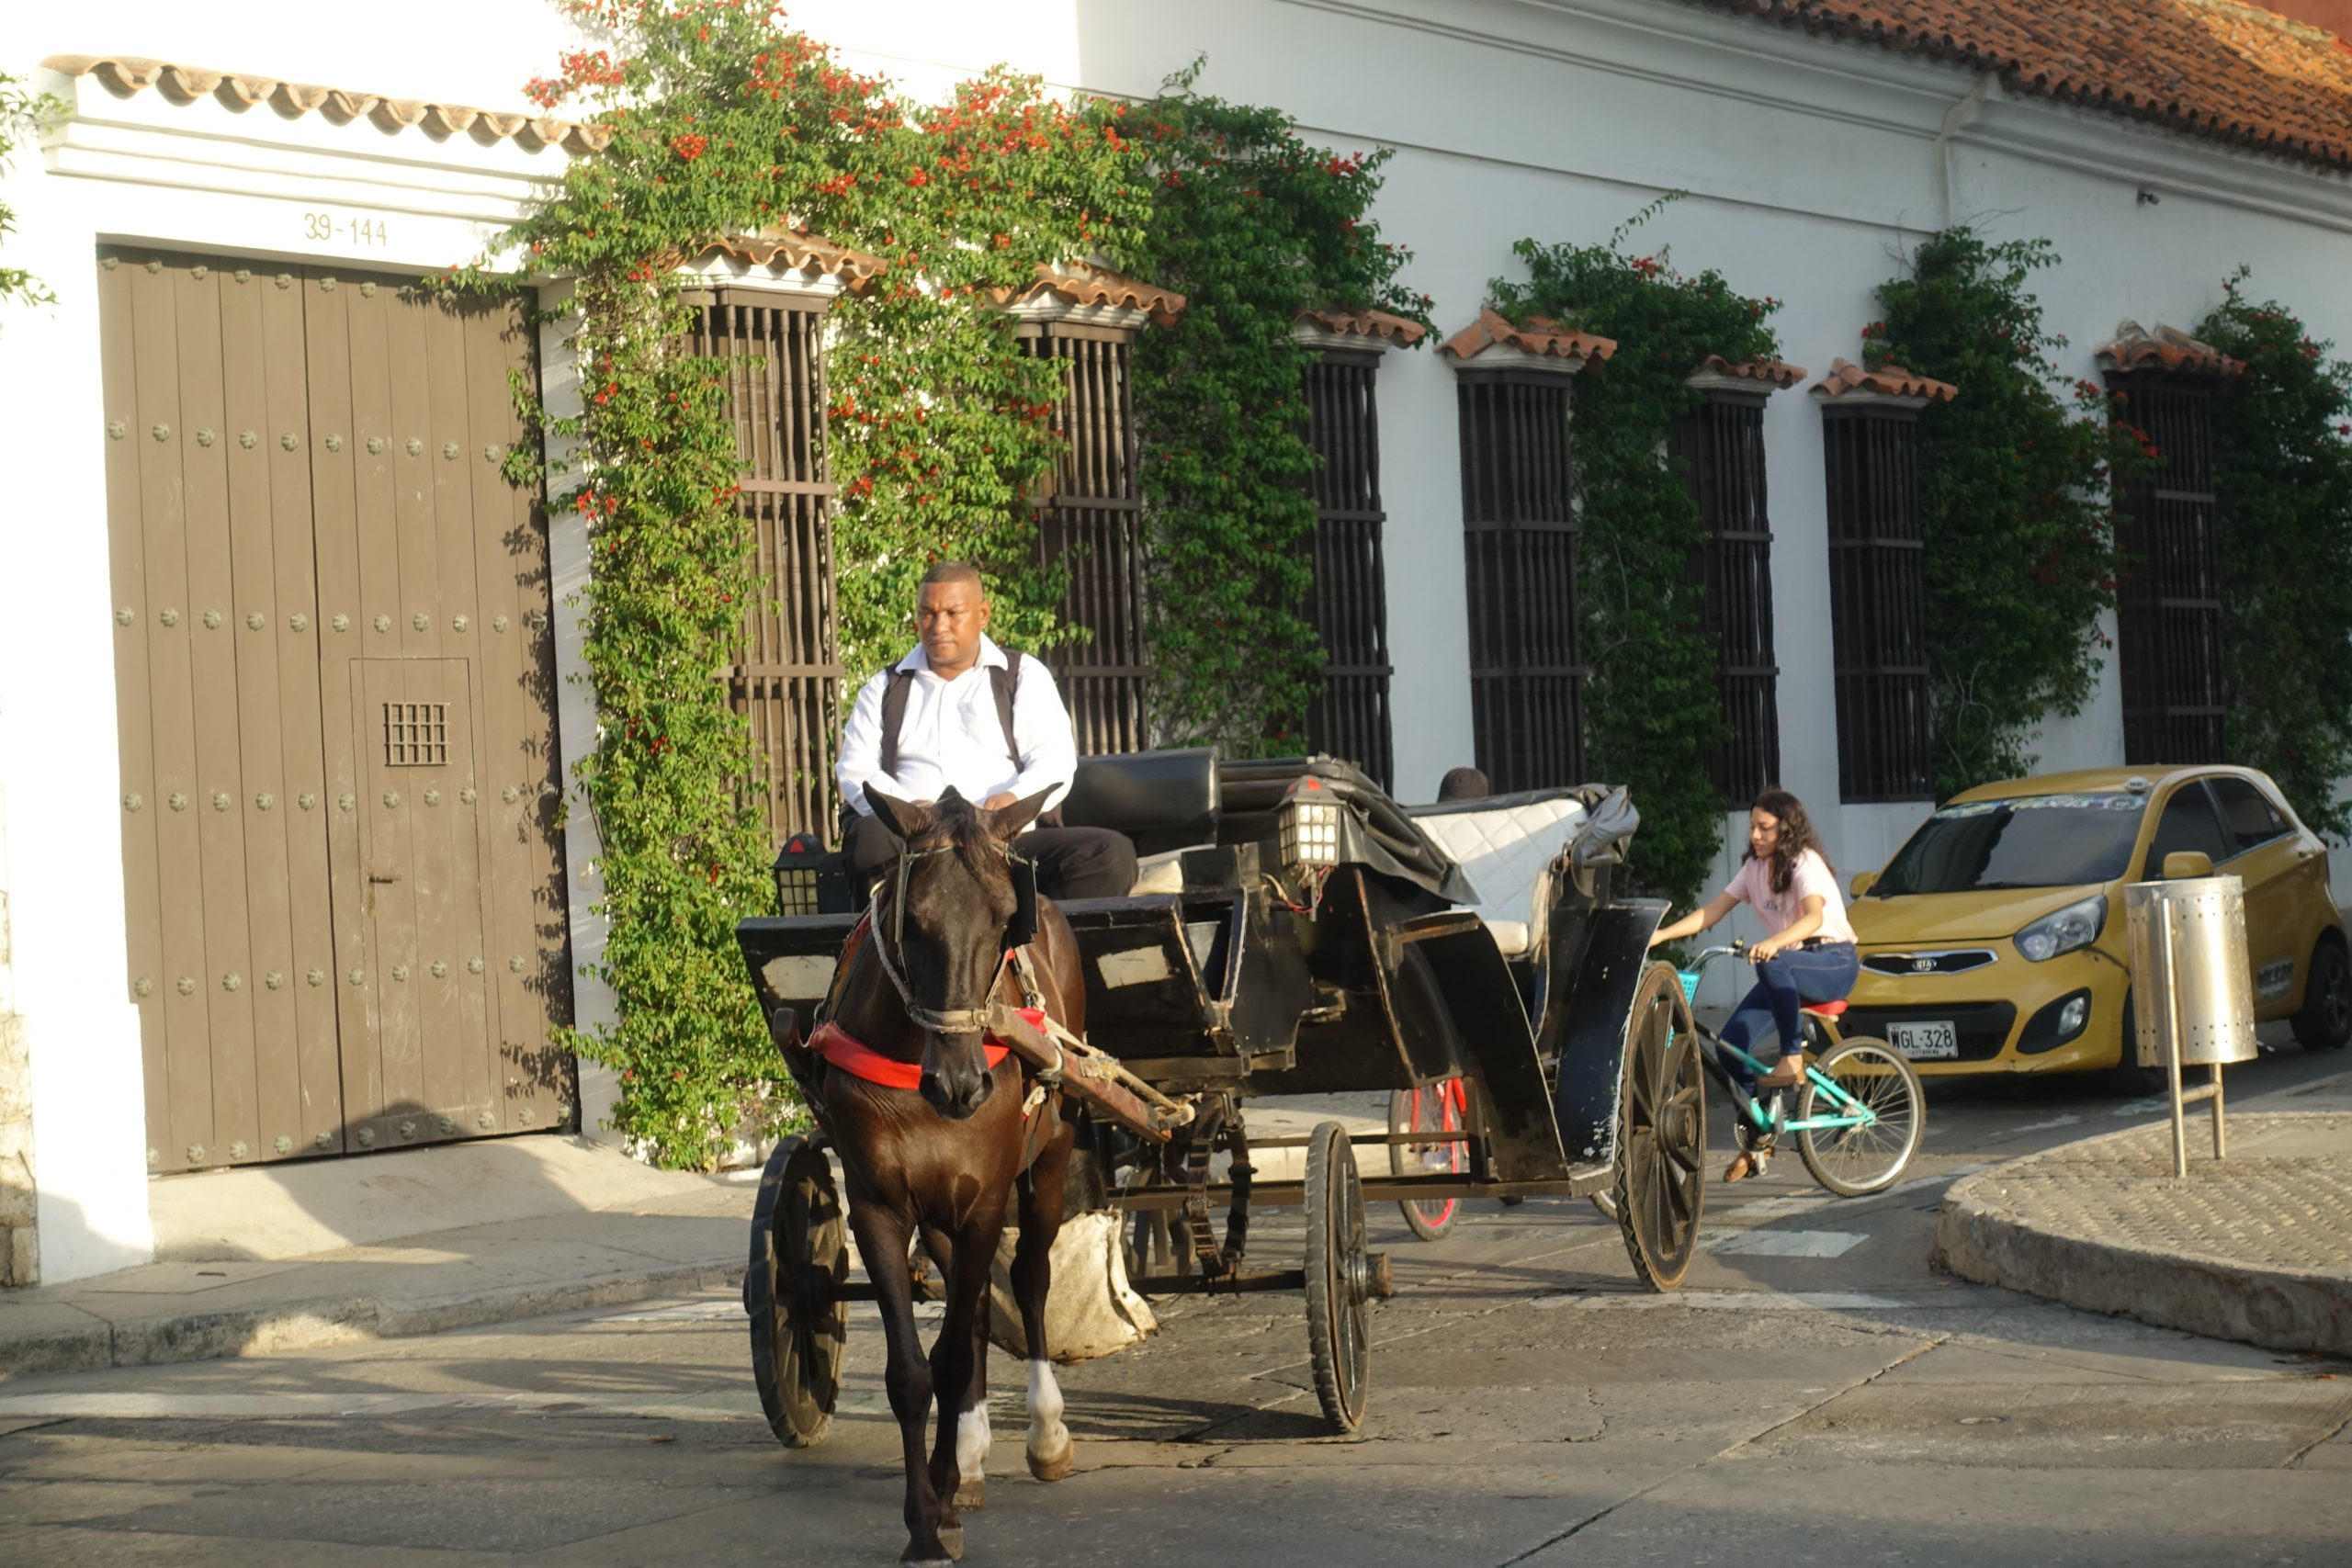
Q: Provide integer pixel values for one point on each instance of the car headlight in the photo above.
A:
(2077, 925)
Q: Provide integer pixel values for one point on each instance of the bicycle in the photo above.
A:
(1442, 1108)
(1858, 1114)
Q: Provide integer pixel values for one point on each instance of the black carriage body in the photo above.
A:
(1295, 931)
(1249, 977)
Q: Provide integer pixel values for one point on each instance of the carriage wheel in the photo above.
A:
(1661, 1133)
(1339, 1277)
(793, 1292)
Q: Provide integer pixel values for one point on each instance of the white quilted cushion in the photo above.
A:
(1502, 852)
(1162, 872)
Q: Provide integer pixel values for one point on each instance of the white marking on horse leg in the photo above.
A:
(972, 1442)
(1051, 1452)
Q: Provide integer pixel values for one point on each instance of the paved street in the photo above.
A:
(1813, 1390)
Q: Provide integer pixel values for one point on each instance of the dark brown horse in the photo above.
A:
(940, 1162)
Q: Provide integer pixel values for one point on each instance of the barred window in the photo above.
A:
(1876, 603)
(1519, 544)
(787, 677)
(1721, 449)
(1092, 521)
(1349, 716)
(2169, 609)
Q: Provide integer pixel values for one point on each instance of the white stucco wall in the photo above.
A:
(1811, 167)
(196, 176)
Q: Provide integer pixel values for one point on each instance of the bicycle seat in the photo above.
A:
(1825, 1010)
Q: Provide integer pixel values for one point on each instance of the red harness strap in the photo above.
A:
(858, 1059)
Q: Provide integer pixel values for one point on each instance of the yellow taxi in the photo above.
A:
(1994, 941)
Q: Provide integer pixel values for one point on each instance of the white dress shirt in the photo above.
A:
(951, 735)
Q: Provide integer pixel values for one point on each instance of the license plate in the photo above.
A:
(1925, 1041)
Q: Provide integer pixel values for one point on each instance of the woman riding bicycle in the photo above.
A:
(1808, 955)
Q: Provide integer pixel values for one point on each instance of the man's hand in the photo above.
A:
(998, 801)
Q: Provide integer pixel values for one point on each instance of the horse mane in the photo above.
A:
(959, 819)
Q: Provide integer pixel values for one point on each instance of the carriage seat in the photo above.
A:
(1164, 802)
(1505, 845)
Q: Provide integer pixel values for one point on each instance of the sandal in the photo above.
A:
(1744, 1165)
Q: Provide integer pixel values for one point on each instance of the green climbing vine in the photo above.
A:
(20, 111)
(2016, 479)
(1652, 710)
(718, 121)
(2283, 478)
(721, 122)
(1254, 225)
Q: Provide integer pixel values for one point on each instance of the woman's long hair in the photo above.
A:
(1796, 837)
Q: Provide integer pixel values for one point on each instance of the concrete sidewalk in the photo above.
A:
(417, 1242)
(2256, 1247)
(421, 1241)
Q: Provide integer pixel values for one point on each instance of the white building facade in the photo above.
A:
(1812, 167)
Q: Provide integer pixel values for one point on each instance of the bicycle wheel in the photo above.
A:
(1437, 1109)
(1851, 1161)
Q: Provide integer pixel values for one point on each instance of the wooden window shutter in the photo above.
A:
(787, 674)
(1519, 542)
(1348, 605)
(1877, 603)
(1721, 445)
(2168, 604)
(1091, 520)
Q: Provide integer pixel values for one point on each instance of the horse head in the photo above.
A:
(943, 935)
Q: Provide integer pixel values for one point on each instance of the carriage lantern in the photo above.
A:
(1310, 830)
(810, 879)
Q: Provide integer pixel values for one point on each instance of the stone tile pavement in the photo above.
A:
(2256, 1247)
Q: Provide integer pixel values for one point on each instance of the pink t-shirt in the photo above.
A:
(1810, 875)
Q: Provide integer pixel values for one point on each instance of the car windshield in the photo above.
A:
(2037, 840)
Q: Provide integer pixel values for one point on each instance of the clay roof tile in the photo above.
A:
(127, 76)
(1887, 381)
(1377, 324)
(1541, 337)
(2166, 349)
(796, 252)
(1084, 282)
(2216, 69)
(1777, 373)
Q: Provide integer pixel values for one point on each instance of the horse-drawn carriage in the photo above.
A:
(1293, 930)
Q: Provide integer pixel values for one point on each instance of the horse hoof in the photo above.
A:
(972, 1492)
(949, 1549)
(951, 1540)
(1056, 1468)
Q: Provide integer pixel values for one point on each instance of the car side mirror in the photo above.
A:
(1863, 882)
(2182, 864)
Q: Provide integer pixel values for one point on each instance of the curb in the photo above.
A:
(331, 1320)
(1980, 1236)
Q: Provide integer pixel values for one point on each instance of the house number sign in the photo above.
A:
(350, 228)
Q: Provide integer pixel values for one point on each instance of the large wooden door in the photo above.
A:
(328, 597)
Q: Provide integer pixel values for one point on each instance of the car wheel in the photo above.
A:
(2325, 1022)
(2127, 1076)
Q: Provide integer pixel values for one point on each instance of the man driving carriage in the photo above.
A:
(960, 713)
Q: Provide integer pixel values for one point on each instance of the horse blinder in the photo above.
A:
(1023, 931)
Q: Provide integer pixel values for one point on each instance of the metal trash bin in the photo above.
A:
(2201, 981)
(2192, 988)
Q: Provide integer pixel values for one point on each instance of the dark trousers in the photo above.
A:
(1784, 983)
(1072, 863)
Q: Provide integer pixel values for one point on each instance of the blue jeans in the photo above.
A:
(1784, 983)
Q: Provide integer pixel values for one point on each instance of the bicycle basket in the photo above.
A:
(1689, 984)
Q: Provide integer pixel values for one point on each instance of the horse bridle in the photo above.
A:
(1017, 935)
